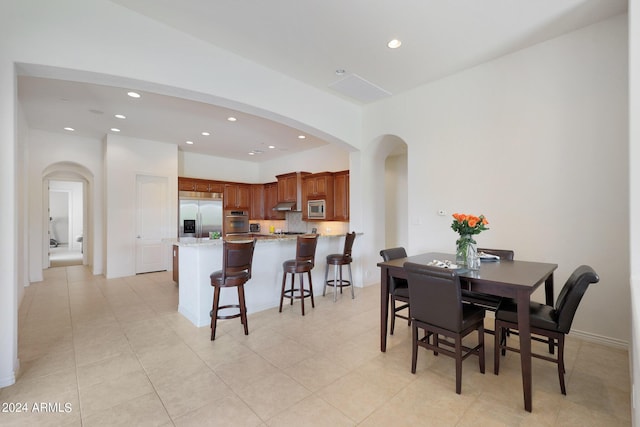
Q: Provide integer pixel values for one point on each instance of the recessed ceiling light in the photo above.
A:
(133, 94)
(301, 137)
(251, 153)
(340, 71)
(205, 134)
(394, 44)
(231, 119)
(272, 146)
(120, 116)
(189, 142)
(115, 130)
(69, 129)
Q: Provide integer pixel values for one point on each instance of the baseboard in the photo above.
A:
(599, 339)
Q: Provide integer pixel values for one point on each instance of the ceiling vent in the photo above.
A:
(358, 88)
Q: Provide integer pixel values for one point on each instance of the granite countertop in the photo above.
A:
(261, 238)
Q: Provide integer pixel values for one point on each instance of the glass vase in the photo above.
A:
(467, 252)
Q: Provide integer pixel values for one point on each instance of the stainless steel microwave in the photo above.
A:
(316, 209)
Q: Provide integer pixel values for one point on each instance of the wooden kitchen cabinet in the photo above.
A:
(289, 185)
(200, 185)
(237, 196)
(341, 196)
(176, 263)
(270, 200)
(257, 202)
(318, 186)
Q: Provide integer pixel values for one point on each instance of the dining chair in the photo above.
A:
(337, 261)
(237, 257)
(398, 288)
(303, 263)
(487, 301)
(437, 308)
(546, 321)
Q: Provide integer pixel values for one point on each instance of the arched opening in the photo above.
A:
(74, 182)
(390, 192)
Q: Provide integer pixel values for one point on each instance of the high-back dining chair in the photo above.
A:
(303, 263)
(490, 302)
(398, 288)
(337, 261)
(437, 308)
(546, 321)
(237, 257)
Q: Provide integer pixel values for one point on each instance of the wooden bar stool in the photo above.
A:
(304, 263)
(236, 271)
(337, 261)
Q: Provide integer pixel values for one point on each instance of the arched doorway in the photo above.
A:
(68, 178)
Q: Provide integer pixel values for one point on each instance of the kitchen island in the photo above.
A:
(200, 257)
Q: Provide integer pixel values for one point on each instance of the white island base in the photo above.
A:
(199, 258)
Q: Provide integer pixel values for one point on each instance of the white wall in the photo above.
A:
(47, 150)
(396, 201)
(634, 195)
(536, 141)
(125, 158)
(195, 165)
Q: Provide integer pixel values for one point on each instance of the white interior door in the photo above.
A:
(151, 221)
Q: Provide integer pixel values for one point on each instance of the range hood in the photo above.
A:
(285, 206)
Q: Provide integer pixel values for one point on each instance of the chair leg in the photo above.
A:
(214, 311)
(353, 296)
(335, 282)
(326, 276)
(561, 369)
(313, 304)
(293, 278)
(458, 364)
(414, 349)
(301, 279)
(481, 349)
(243, 309)
(393, 315)
(497, 341)
(340, 267)
(284, 280)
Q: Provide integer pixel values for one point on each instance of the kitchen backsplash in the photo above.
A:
(295, 223)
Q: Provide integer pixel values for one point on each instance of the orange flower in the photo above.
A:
(472, 222)
(484, 221)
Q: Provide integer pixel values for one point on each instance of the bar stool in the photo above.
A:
(237, 257)
(337, 261)
(304, 263)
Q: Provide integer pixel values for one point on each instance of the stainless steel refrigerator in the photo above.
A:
(200, 214)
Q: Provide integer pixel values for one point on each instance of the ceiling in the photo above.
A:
(308, 41)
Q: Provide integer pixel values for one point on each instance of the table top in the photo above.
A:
(522, 274)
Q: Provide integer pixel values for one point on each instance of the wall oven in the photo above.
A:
(236, 222)
(316, 209)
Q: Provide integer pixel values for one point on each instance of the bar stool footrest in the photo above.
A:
(289, 293)
(341, 283)
(229, 316)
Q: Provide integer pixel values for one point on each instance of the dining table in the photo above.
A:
(504, 278)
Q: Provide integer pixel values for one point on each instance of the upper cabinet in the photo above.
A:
(257, 202)
(270, 200)
(237, 196)
(200, 185)
(341, 196)
(318, 186)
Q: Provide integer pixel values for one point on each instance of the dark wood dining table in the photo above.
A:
(513, 279)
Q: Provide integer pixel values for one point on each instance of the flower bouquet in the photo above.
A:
(466, 226)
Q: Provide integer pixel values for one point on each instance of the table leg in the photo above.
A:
(548, 295)
(523, 299)
(384, 307)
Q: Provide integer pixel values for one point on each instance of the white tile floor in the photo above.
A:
(116, 352)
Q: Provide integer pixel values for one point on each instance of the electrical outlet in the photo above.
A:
(442, 212)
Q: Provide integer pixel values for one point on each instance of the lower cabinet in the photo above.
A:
(176, 248)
